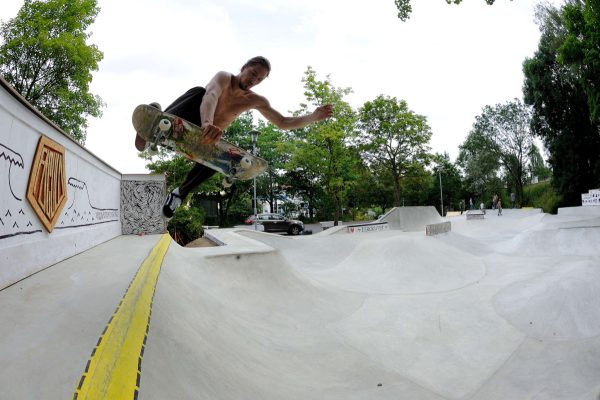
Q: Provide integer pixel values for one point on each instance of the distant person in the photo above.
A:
(482, 207)
(494, 201)
(513, 198)
(500, 207)
(461, 205)
(471, 204)
(215, 107)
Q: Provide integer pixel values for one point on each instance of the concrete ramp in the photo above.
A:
(389, 315)
(411, 219)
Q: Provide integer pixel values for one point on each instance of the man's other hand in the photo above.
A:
(212, 134)
(323, 112)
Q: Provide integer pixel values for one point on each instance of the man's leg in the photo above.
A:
(195, 177)
(187, 106)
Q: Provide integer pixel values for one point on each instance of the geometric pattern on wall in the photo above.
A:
(47, 189)
(141, 207)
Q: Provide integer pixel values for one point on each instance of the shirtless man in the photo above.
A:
(226, 97)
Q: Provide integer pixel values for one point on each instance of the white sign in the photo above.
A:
(368, 228)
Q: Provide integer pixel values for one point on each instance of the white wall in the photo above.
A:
(90, 216)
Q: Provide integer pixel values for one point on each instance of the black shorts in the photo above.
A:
(187, 106)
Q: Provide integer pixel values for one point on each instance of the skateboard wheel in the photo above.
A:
(245, 162)
(164, 125)
(227, 182)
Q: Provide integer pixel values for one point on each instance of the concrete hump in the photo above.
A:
(411, 219)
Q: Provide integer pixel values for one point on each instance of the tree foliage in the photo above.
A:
(321, 150)
(561, 110)
(394, 138)
(581, 48)
(44, 55)
(404, 7)
(452, 190)
(480, 166)
(506, 128)
(537, 166)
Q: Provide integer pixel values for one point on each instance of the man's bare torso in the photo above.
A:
(232, 102)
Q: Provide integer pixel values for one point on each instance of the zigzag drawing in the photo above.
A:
(13, 158)
(81, 211)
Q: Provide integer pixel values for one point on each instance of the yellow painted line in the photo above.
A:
(114, 368)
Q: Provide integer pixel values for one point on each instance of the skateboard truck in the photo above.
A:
(163, 126)
(244, 163)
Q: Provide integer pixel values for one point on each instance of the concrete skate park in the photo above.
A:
(96, 302)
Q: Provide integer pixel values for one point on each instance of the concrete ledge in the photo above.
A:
(436, 229)
(581, 211)
(326, 224)
(475, 214)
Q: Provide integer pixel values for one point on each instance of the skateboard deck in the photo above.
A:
(177, 134)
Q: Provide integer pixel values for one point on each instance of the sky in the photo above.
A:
(446, 61)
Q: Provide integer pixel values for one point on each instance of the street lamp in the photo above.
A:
(440, 169)
(254, 135)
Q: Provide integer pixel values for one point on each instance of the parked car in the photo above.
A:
(277, 223)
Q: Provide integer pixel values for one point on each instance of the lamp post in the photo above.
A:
(441, 193)
(254, 135)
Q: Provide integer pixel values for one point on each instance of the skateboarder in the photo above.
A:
(215, 107)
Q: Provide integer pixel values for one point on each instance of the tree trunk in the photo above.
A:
(397, 192)
(338, 205)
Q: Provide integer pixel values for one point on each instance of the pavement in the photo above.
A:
(507, 307)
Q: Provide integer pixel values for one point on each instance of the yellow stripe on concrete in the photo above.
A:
(113, 371)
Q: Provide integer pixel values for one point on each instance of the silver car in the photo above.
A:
(278, 223)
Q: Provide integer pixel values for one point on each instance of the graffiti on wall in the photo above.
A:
(141, 203)
(81, 211)
(13, 217)
(13, 159)
(17, 218)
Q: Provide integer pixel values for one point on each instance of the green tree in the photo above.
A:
(404, 7)
(271, 147)
(561, 112)
(44, 55)
(581, 48)
(393, 137)
(451, 190)
(321, 150)
(479, 164)
(507, 129)
(537, 167)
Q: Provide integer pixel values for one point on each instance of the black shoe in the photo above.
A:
(172, 202)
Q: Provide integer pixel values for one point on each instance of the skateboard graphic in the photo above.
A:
(177, 134)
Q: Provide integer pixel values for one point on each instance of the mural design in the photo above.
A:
(47, 189)
(80, 211)
(16, 217)
(13, 158)
(141, 202)
(13, 218)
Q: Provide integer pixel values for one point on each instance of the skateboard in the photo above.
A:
(177, 134)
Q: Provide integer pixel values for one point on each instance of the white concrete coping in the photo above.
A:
(230, 242)
(326, 224)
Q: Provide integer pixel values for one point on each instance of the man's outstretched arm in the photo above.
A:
(282, 122)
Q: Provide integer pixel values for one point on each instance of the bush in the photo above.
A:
(186, 225)
(542, 195)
